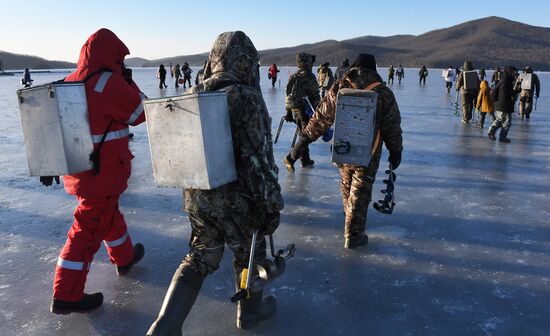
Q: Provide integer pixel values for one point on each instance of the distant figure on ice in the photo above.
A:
(325, 79)
(485, 103)
(468, 84)
(161, 75)
(400, 73)
(26, 81)
(528, 90)
(186, 74)
(272, 74)
(231, 213)
(449, 78)
(496, 76)
(341, 70)
(482, 74)
(177, 75)
(423, 74)
(301, 84)
(504, 105)
(114, 102)
(171, 70)
(391, 72)
(356, 181)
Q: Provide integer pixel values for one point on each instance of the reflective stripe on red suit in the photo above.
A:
(97, 218)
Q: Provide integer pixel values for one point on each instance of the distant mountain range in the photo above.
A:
(487, 42)
(12, 61)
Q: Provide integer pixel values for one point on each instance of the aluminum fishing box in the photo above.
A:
(354, 126)
(526, 80)
(471, 80)
(56, 128)
(190, 140)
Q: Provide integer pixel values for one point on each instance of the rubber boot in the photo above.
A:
(289, 163)
(354, 233)
(84, 305)
(504, 139)
(307, 162)
(139, 252)
(255, 309)
(491, 134)
(179, 299)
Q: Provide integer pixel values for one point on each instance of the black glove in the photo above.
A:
(48, 180)
(288, 116)
(271, 223)
(395, 159)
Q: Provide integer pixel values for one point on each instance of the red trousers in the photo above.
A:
(95, 219)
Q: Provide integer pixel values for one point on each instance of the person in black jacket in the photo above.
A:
(503, 94)
(161, 75)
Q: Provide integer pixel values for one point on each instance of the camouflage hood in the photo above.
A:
(305, 61)
(468, 66)
(233, 58)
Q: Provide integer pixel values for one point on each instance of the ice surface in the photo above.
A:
(466, 251)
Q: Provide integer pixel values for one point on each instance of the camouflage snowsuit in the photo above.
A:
(356, 181)
(231, 213)
(302, 84)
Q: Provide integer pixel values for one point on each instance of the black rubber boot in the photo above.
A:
(307, 162)
(139, 252)
(491, 135)
(255, 309)
(353, 242)
(504, 140)
(179, 299)
(289, 163)
(84, 305)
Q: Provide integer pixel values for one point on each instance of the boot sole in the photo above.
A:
(70, 311)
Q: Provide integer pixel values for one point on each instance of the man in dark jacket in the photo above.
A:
(356, 181)
(230, 213)
(504, 105)
(341, 70)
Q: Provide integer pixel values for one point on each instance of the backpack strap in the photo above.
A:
(371, 87)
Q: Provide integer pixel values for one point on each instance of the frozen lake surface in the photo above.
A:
(466, 251)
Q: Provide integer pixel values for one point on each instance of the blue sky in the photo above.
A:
(57, 29)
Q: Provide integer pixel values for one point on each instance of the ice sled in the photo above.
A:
(471, 80)
(56, 128)
(354, 127)
(190, 140)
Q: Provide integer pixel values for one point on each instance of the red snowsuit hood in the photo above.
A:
(102, 50)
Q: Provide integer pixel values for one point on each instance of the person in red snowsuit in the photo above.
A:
(114, 102)
(273, 74)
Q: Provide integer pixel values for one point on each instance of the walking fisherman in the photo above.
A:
(230, 214)
(356, 181)
(325, 78)
(391, 72)
(341, 70)
(423, 74)
(468, 84)
(529, 85)
(504, 105)
(301, 84)
(114, 103)
(400, 73)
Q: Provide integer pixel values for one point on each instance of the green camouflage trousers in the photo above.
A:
(210, 234)
(356, 188)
